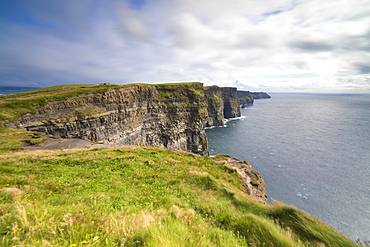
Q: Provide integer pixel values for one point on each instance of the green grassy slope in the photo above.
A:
(140, 197)
(14, 106)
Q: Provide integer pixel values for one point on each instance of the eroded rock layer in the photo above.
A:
(223, 102)
(170, 116)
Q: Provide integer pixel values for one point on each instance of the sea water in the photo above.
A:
(313, 151)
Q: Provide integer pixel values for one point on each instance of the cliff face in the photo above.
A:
(170, 116)
(222, 103)
(247, 98)
(260, 95)
(231, 102)
(253, 184)
(215, 106)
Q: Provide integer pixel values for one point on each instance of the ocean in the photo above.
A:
(312, 150)
(5, 90)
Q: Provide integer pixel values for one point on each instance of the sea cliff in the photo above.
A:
(170, 116)
(167, 116)
(223, 102)
(247, 98)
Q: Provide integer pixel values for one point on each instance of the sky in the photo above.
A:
(318, 46)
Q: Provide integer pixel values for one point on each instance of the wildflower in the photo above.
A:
(72, 245)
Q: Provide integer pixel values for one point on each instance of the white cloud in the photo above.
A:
(269, 44)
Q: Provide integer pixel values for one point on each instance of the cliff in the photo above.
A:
(169, 116)
(222, 103)
(260, 95)
(247, 98)
(253, 184)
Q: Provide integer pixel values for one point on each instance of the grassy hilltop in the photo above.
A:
(133, 196)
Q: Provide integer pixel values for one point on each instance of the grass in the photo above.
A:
(180, 91)
(140, 197)
(11, 139)
(133, 197)
(14, 106)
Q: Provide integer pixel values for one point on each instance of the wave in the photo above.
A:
(225, 121)
(233, 119)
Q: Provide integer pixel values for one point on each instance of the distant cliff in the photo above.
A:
(170, 116)
(222, 103)
(247, 98)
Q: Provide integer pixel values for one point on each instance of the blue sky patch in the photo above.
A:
(276, 12)
(137, 4)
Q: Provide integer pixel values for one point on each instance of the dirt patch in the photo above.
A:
(68, 143)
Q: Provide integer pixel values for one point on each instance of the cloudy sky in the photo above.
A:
(264, 45)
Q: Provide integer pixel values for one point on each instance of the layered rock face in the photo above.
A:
(170, 116)
(222, 103)
(231, 102)
(247, 98)
(215, 106)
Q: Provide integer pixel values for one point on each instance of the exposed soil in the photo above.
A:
(69, 143)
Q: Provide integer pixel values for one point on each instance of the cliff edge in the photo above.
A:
(247, 98)
(169, 116)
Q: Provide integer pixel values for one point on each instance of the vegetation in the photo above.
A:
(140, 197)
(214, 99)
(246, 100)
(13, 106)
(179, 91)
(11, 139)
(132, 197)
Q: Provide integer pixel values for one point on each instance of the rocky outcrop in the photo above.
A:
(169, 116)
(260, 95)
(222, 103)
(215, 106)
(247, 98)
(231, 102)
(253, 184)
